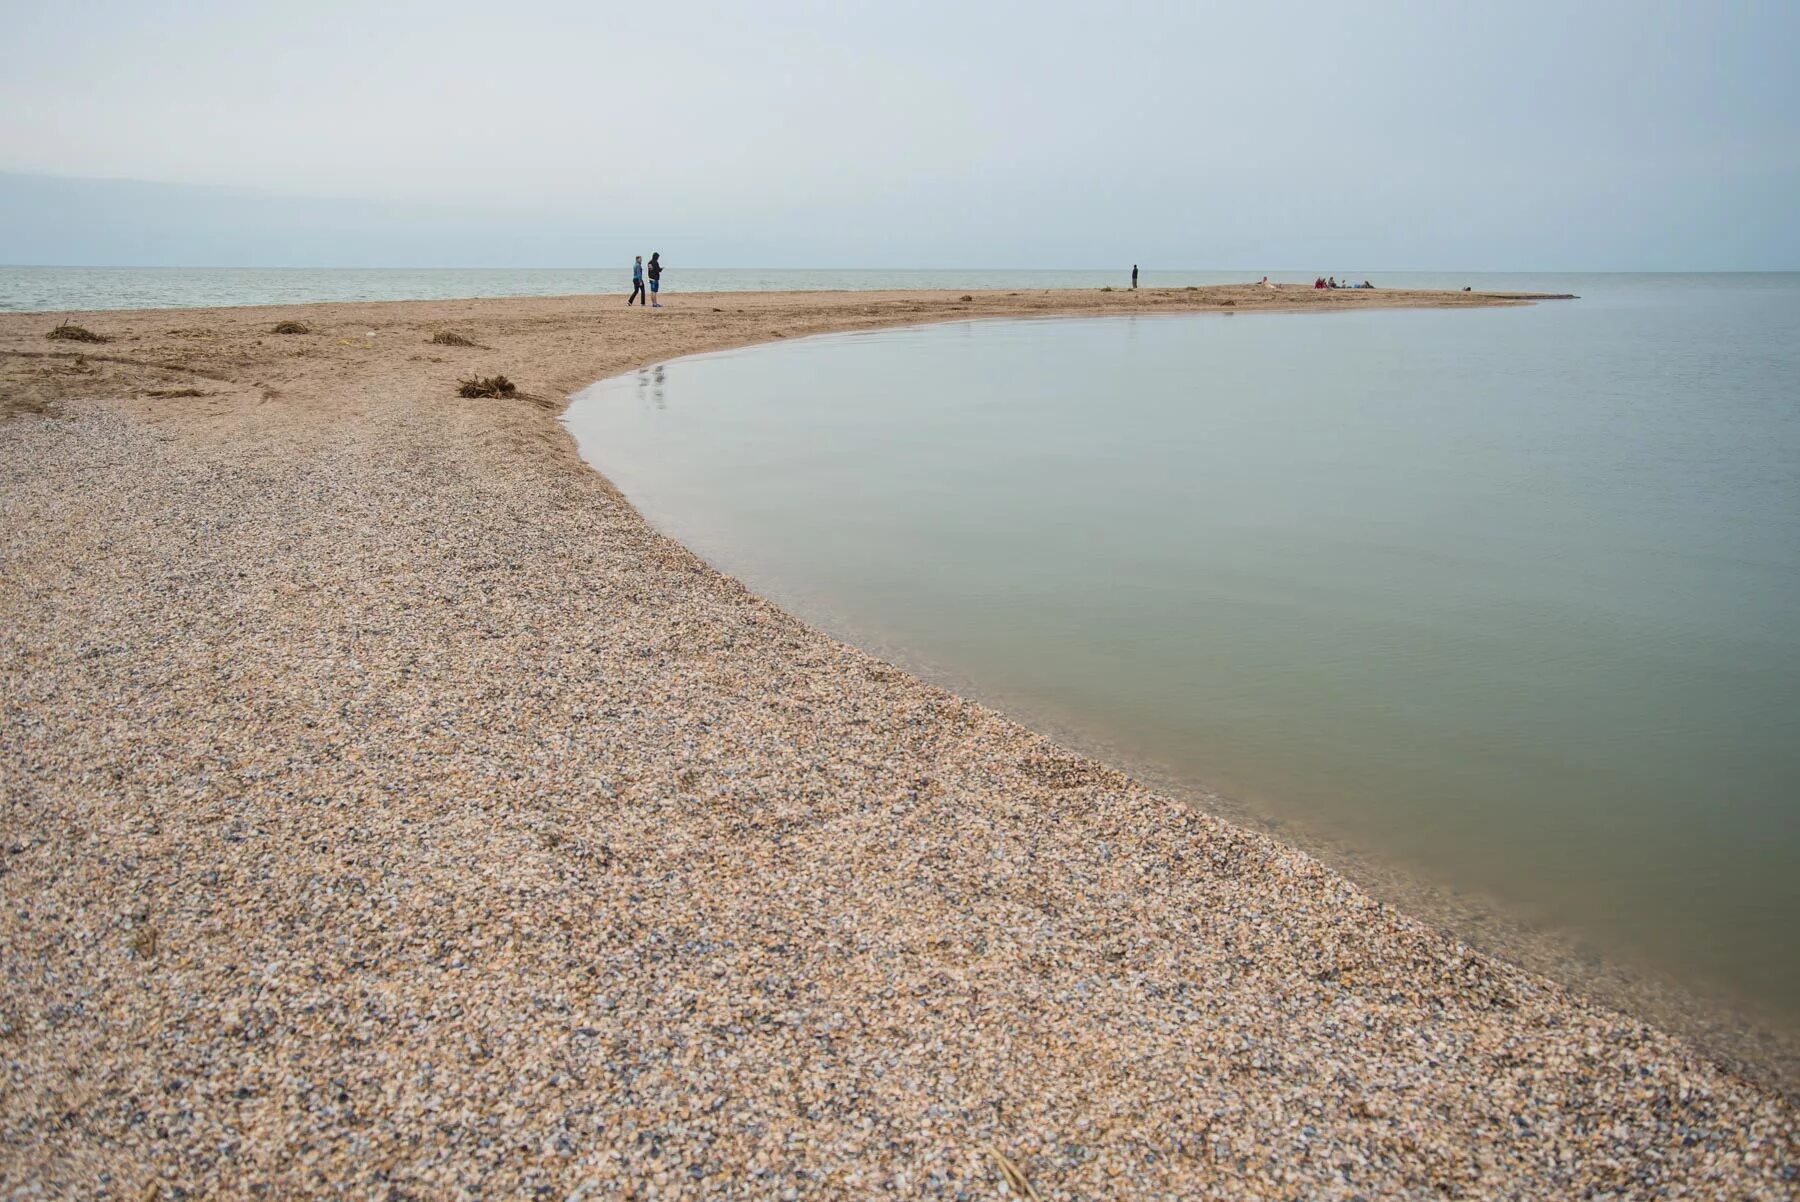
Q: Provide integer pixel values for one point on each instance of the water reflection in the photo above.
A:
(650, 386)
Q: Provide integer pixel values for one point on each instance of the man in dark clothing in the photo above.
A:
(655, 277)
(1134, 277)
(637, 283)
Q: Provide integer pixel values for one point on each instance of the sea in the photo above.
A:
(1506, 600)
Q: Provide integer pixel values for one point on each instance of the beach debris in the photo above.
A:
(1107, 288)
(68, 331)
(143, 942)
(452, 338)
(967, 297)
(175, 392)
(291, 327)
(1013, 1176)
(486, 386)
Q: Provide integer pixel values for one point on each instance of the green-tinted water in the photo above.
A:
(1511, 597)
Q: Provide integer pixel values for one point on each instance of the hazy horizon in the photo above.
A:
(1609, 137)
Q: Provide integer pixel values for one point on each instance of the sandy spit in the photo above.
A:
(386, 811)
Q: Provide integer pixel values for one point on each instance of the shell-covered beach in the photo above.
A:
(386, 811)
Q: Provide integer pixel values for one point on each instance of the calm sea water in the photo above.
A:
(1510, 597)
(60, 289)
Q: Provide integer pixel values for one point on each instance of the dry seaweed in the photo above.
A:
(452, 338)
(291, 327)
(70, 332)
(486, 386)
(1014, 1176)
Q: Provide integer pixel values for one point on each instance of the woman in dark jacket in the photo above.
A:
(655, 274)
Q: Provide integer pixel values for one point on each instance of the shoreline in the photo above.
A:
(366, 733)
(46, 290)
(1737, 1032)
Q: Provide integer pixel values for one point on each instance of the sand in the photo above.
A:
(386, 811)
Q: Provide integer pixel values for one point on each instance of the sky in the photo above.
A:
(1409, 134)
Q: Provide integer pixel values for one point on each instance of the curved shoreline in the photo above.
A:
(1727, 1028)
(400, 809)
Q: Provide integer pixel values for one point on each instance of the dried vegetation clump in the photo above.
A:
(452, 338)
(70, 332)
(486, 386)
(291, 327)
(1016, 1183)
(143, 942)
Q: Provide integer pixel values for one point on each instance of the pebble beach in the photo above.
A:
(388, 812)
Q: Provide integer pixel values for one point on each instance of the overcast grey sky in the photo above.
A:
(1183, 133)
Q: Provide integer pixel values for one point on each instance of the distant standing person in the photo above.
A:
(1134, 277)
(637, 283)
(655, 277)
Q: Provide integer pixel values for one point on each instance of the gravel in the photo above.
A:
(386, 811)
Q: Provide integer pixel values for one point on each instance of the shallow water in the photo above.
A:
(1507, 597)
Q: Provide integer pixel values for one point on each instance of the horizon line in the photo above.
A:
(941, 270)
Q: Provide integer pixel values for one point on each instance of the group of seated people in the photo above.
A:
(1331, 282)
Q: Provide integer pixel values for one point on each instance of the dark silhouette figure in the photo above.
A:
(1134, 276)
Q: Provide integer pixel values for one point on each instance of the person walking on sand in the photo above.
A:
(637, 283)
(655, 277)
(1134, 277)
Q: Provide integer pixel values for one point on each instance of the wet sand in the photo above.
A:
(389, 812)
